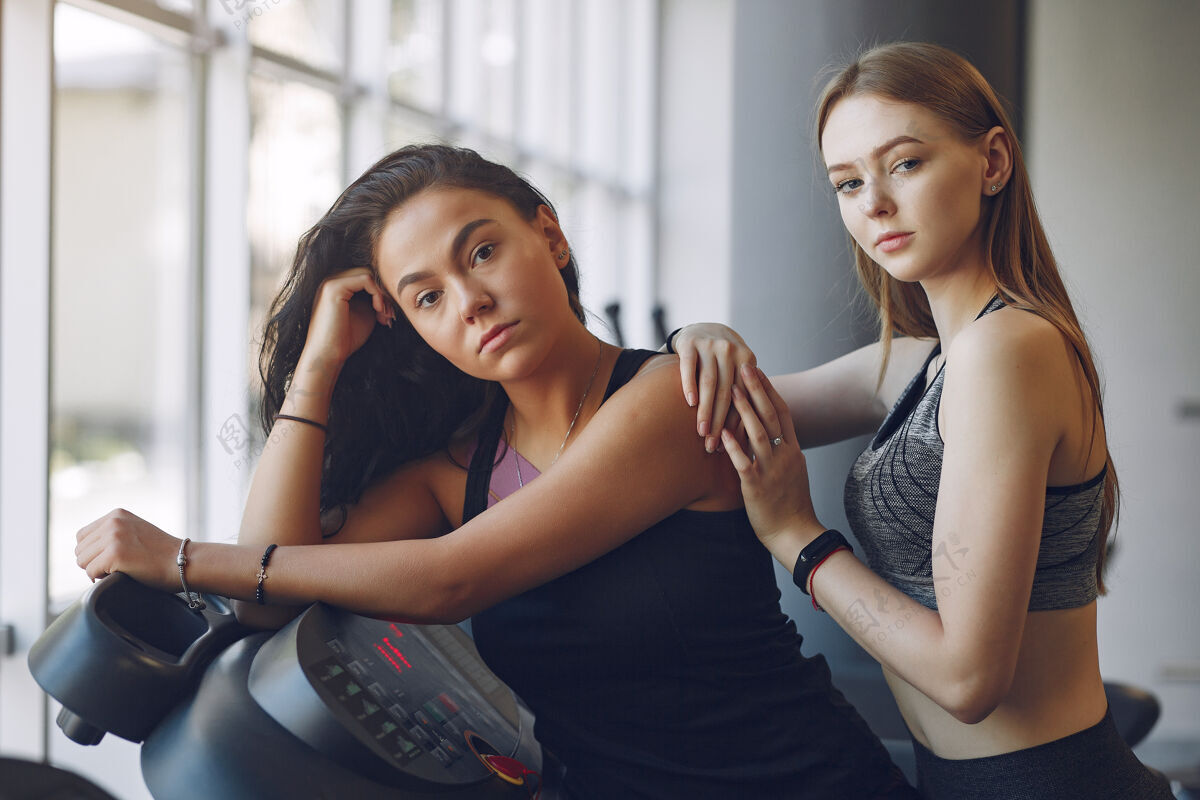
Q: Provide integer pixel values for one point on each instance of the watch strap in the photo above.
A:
(814, 553)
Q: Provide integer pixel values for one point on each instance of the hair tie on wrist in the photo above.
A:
(670, 339)
(312, 422)
(812, 573)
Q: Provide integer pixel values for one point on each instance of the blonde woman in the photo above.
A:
(983, 502)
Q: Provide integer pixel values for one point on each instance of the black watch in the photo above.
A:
(814, 553)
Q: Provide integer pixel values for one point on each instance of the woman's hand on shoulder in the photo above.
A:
(711, 357)
(346, 310)
(772, 469)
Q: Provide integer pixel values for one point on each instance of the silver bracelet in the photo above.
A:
(193, 598)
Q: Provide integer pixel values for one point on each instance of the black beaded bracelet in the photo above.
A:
(259, 593)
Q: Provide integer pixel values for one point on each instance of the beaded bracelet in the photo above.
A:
(259, 593)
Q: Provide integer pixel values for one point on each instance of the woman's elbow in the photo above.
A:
(445, 601)
(974, 697)
(252, 615)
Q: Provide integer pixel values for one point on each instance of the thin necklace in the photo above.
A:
(512, 436)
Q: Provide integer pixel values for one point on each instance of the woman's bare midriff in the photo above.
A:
(1057, 691)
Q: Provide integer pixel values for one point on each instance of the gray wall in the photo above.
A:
(792, 291)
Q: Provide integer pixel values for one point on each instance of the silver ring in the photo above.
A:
(778, 440)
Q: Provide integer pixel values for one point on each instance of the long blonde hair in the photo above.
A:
(1017, 251)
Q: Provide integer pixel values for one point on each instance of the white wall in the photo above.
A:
(1113, 108)
(695, 167)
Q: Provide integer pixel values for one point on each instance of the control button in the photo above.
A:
(434, 711)
(453, 750)
(380, 693)
(406, 747)
(454, 731)
(336, 646)
(399, 714)
(450, 706)
(358, 669)
(422, 738)
(441, 756)
(423, 718)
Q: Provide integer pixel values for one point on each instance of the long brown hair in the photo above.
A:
(1017, 251)
(396, 398)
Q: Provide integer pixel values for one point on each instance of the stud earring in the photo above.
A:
(995, 188)
(562, 255)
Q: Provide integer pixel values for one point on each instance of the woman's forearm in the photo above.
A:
(350, 576)
(906, 637)
(283, 506)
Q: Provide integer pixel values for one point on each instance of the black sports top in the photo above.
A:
(666, 668)
(891, 496)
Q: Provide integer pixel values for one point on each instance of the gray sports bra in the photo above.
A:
(891, 495)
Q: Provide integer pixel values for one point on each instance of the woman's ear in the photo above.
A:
(556, 240)
(997, 149)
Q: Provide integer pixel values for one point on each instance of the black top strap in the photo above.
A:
(479, 473)
(995, 304)
(628, 363)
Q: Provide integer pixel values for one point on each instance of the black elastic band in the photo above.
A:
(306, 421)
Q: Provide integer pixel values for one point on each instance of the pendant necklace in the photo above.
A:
(512, 436)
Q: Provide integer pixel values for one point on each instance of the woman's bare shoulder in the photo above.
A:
(1009, 337)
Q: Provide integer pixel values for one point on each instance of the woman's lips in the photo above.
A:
(891, 242)
(496, 338)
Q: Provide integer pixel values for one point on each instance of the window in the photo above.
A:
(121, 353)
(192, 144)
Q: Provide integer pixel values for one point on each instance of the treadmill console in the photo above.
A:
(332, 705)
(385, 697)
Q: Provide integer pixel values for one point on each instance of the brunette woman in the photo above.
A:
(426, 359)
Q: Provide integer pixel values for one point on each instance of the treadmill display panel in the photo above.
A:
(412, 693)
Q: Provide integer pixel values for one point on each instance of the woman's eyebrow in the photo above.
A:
(466, 231)
(412, 277)
(460, 239)
(878, 151)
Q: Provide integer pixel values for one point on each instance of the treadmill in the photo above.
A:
(332, 705)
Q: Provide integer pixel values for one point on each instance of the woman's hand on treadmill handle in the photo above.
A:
(124, 542)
